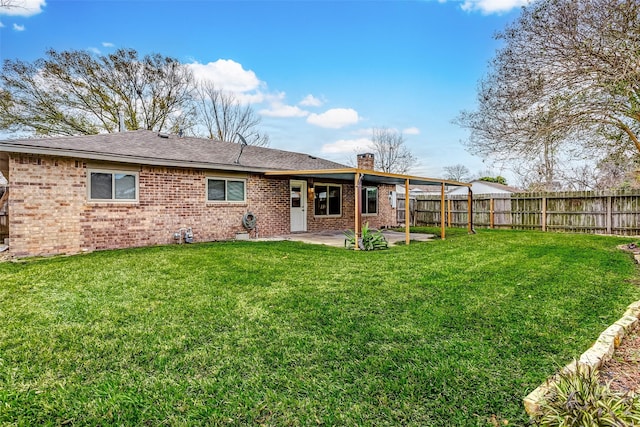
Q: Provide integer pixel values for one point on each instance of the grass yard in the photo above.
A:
(443, 333)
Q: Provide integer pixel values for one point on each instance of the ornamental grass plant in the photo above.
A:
(578, 399)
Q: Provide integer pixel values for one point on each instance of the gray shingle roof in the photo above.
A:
(148, 147)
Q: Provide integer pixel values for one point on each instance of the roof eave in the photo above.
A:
(118, 158)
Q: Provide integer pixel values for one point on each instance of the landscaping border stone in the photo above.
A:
(596, 356)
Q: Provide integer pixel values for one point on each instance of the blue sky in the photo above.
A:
(321, 74)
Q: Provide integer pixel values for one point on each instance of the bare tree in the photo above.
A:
(390, 152)
(74, 92)
(224, 117)
(12, 4)
(567, 79)
(458, 172)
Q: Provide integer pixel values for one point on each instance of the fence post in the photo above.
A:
(609, 214)
(491, 212)
(543, 218)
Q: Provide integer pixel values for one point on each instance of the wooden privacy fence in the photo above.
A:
(580, 212)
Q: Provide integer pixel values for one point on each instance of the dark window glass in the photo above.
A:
(320, 200)
(220, 190)
(328, 200)
(334, 200)
(125, 186)
(216, 190)
(235, 191)
(101, 186)
(369, 200)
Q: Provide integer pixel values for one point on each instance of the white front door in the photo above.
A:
(298, 205)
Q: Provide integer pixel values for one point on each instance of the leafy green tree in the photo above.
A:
(498, 179)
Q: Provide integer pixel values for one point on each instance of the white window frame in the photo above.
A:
(226, 180)
(364, 205)
(328, 215)
(113, 173)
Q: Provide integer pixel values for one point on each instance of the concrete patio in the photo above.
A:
(337, 238)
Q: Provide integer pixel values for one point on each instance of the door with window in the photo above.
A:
(298, 205)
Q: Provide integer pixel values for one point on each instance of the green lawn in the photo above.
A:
(443, 333)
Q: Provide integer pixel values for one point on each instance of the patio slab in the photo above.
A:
(337, 238)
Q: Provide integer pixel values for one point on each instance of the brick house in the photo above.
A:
(68, 195)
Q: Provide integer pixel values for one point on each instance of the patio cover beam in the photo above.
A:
(357, 184)
(442, 212)
(407, 213)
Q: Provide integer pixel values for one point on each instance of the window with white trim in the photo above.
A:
(226, 190)
(108, 185)
(369, 200)
(328, 199)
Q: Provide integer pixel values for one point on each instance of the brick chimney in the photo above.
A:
(365, 161)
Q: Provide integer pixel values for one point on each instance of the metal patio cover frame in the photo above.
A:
(367, 176)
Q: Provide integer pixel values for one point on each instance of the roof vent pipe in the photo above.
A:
(121, 126)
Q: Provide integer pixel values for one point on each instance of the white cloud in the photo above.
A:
(311, 101)
(411, 131)
(335, 118)
(22, 7)
(348, 146)
(18, 27)
(493, 6)
(94, 50)
(226, 74)
(250, 98)
(283, 110)
(107, 44)
(1, 25)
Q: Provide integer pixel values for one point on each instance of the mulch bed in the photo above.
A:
(622, 372)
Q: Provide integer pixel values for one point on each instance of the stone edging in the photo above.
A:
(599, 353)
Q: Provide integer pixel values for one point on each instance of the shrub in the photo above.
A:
(370, 240)
(579, 399)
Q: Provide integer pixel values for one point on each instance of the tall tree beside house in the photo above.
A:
(390, 152)
(565, 84)
(223, 117)
(75, 92)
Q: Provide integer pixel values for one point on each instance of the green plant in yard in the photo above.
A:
(579, 399)
(370, 241)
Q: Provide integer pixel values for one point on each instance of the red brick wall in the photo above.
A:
(386, 216)
(49, 212)
(366, 161)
